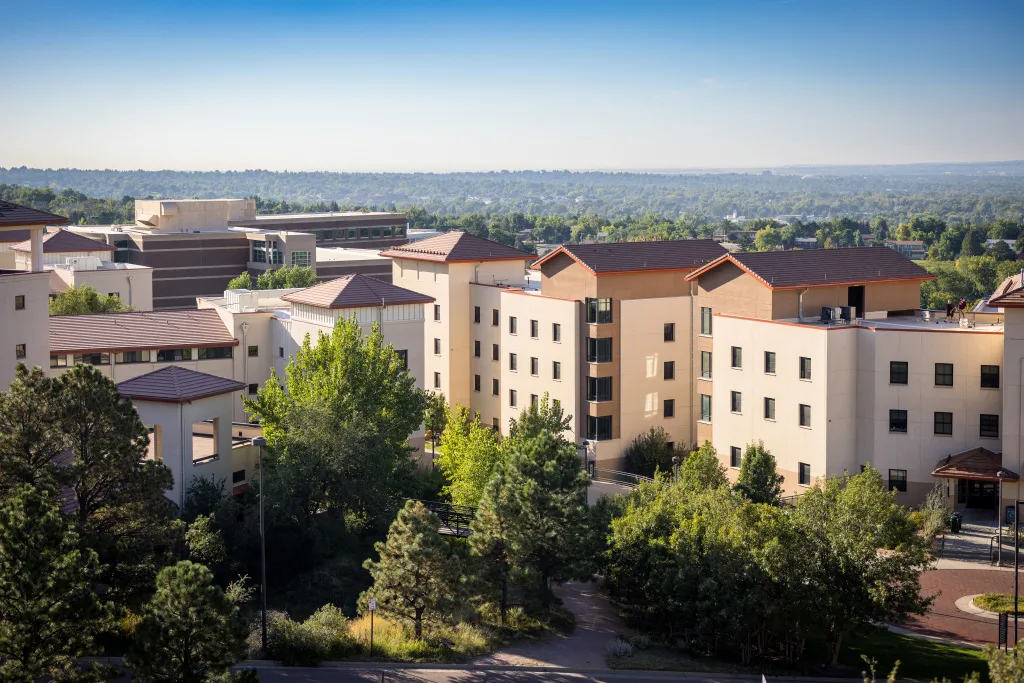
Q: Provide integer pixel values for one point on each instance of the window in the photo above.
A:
(989, 376)
(705, 408)
(58, 360)
(494, 423)
(301, 259)
(494, 387)
(437, 346)
(599, 350)
(253, 351)
(534, 329)
(19, 302)
(735, 456)
(898, 421)
(669, 409)
(437, 311)
(215, 353)
(556, 370)
(670, 370)
(238, 476)
(599, 388)
(512, 325)
(705, 321)
(670, 332)
(534, 366)
(20, 351)
(280, 352)
(254, 389)
(495, 353)
(476, 382)
(943, 374)
(769, 408)
(125, 357)
(990, 426)
(204, 441)
(599, 310)
(599, 428)
(476, 314)
(87, 358)
(805, 415)
(898, 372)
(705, 365)
(556, 332)
(736, 402)
(494, 317)
(898, 480)
(328, 234)
(805, 474)
(476, 348)
(437, 380)
(403, 356)
(534, 400)
(805, 368)
(513, 362)
(737, 357)
(168, 355)
(944, 424)
(769, 362)
(116, 295)
(512, 397)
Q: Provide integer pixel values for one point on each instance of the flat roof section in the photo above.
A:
(990, 324)
(155, 330)
(271, 219)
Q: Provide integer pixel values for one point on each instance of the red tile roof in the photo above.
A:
(105, 332)
(12, 214)
(627, 257)
(457, 246)
(799, 268)
(354, 291)
(1009, 293)
(175, 384)
(65, 241)
(977, 463)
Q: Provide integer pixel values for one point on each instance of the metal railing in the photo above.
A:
(455, 519)
(205, 459)
(618, 477)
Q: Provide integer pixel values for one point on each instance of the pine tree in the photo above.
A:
(417, 573)
(49, 613)
(759, 480)
(28, 441)
(189, 631)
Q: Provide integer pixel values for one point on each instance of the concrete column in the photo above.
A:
(36, 239)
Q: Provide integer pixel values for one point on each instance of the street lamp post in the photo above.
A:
(261, 441)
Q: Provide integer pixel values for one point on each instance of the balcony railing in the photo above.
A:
(205, 459)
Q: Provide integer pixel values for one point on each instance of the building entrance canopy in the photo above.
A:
(979, 464)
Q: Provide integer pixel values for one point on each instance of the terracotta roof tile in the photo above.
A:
(175, 384)
(622, 257)
(457, 246)
(354, 291)
(976, 463)
(10, 236)
(1009, 293)
(823, 267)
(104, 332)
(65, 241)
(16, 214)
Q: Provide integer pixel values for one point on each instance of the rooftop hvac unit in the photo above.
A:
(826, 314)
(845, 313)
(83, 262)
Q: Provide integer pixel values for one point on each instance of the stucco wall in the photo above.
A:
(29, 326)
(138, 293)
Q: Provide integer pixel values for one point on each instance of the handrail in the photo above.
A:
(205, 459)
(618, 477)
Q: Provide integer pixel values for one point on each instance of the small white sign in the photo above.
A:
(373, 604)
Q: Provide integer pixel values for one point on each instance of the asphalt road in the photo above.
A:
(294, 675)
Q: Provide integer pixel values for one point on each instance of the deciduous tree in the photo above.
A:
(84, 299)
(759, 480)
(469, 454)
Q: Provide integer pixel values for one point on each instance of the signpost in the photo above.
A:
(373, 608)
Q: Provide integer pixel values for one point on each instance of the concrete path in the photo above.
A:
(597, 623)
(945, 620)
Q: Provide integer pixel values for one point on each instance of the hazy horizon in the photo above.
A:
(401, 86)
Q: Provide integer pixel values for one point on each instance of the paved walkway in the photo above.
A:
(945, 620)
(597, 623)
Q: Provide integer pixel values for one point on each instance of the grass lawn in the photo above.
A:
(1001, 603)
(664, 658)
(920, 659)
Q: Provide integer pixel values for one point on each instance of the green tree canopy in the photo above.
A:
(650, 452)
(189, 630)
(470, 452)
(28, 441)
(417, 573)
(243, 281)
(435, 415)
(759, 480)
(85, 299)
(702, 469)
(286, 278)
(49, 613)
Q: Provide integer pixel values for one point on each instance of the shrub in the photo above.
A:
(325, 635)
(330, 627)
(394, 641)
(620, 648)
(640, 641)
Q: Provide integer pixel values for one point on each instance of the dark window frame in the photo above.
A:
(770, 362)
(898, 421)
(988, 426)
(668, 370)
(898, 480)
(941, 374)
(668, 408)
(804, 411)
(942, 424)
(987, 374)
(705, 369)
(599, 310)
(599, 389)
(736, 402)
(736, 357)
(804, 473)
(670, 332)
(599, 427)
(706, 325)
(705, 408)
(805, 368)
(899, 372)
(769, 402)
(735, 457)
(599, 349)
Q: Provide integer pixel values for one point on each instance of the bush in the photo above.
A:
(323, 636)
(620, 648)
(393, 641)
(329, 626)
(640, 641)
(650, 452)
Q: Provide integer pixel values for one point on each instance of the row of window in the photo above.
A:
(899, 373)
(988, 425)
(60, 360)
(513, 359)
(736, 362)
(736, 406)
(357, 233)
(513, 323)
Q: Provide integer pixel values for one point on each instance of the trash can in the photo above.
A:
(956, 521)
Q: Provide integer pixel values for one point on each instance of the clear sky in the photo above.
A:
(377, 85)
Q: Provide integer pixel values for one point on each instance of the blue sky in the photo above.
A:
(461, 85)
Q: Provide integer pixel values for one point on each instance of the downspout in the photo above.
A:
(245, 362)
(130, 278)
(800, 306)
(181, 429)
(693, 335)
